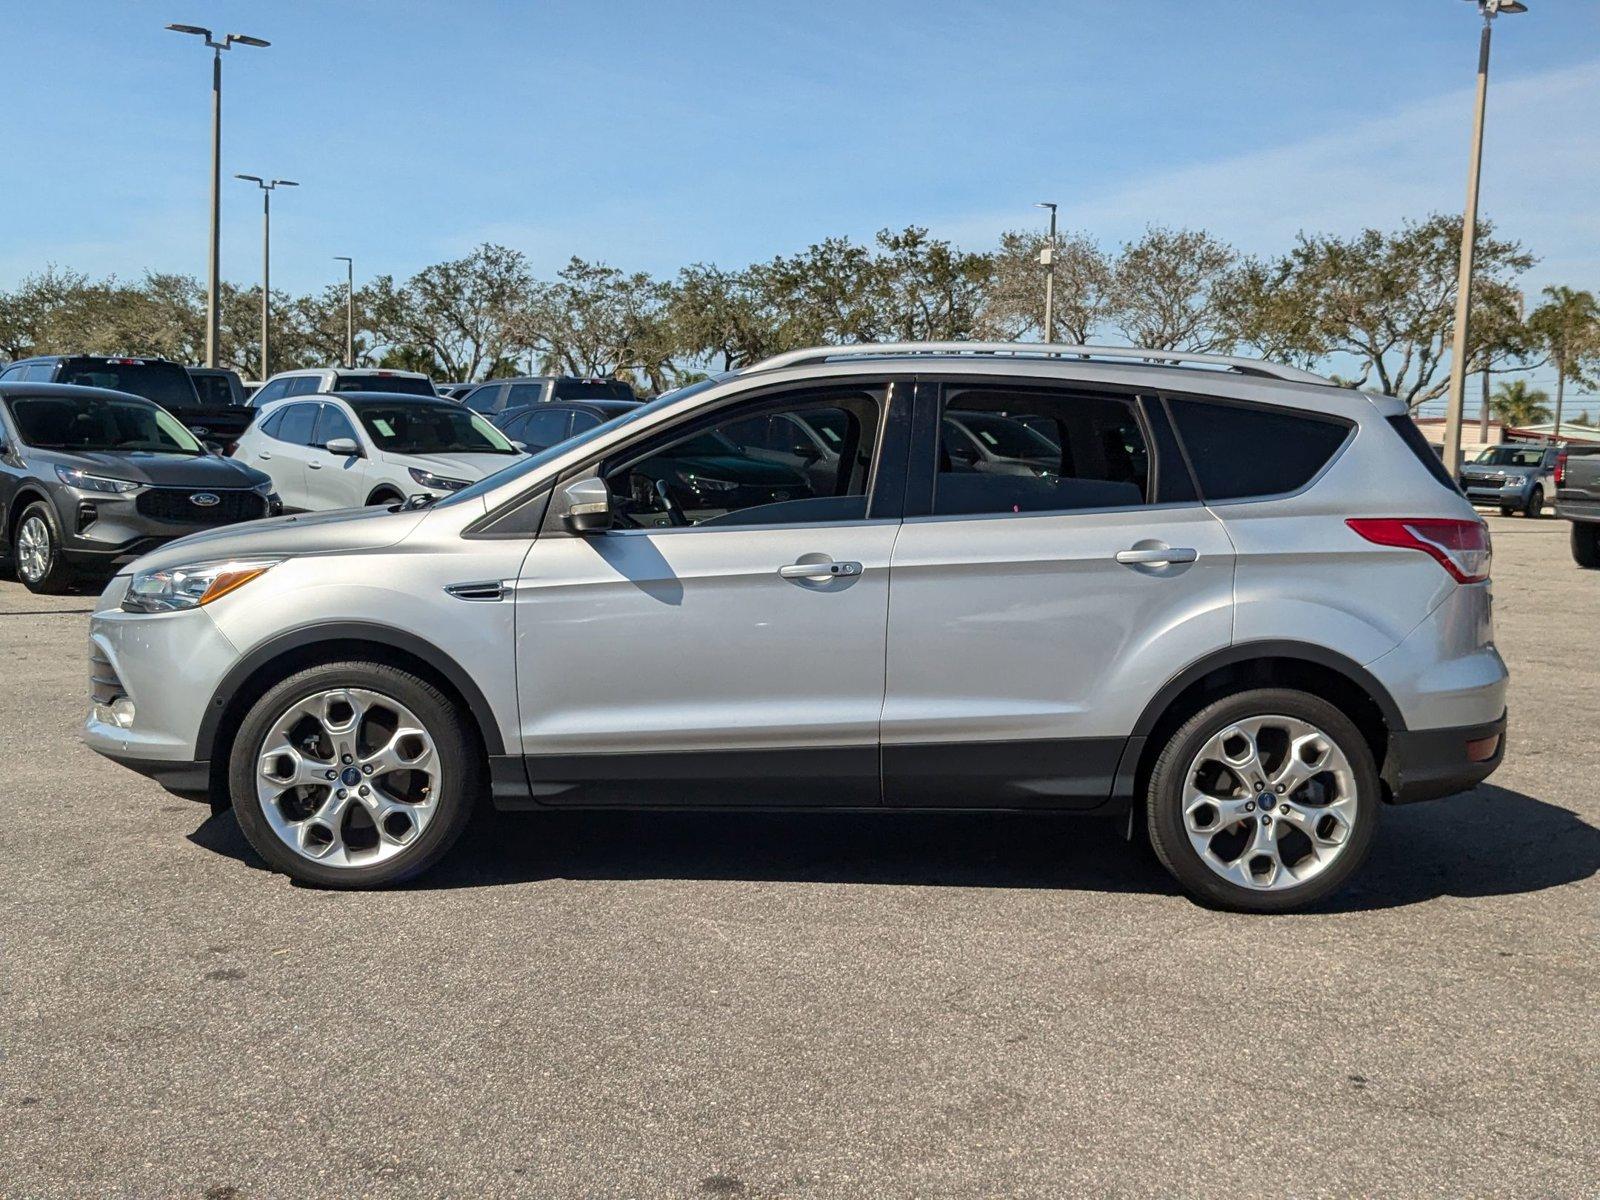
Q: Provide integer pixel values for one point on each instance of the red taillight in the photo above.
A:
(1460, 547)
(1561, 468)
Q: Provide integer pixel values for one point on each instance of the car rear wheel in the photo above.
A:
(37, 551)
(1264, 801)
(354, 774)
(1535, 505)
(1586, 544)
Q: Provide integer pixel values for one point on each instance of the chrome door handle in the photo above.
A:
(314, 466)
(820, 570)
(263, 454)
(1158, 556)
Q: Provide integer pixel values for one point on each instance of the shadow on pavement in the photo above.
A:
(1490, 842)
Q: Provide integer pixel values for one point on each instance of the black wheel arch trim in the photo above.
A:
(1244, 652)
(333, 633)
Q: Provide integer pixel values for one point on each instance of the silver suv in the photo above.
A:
(1221, 598)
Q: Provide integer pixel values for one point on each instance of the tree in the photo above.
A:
(1517, 405)
(1386, 300)
(929, 290)
(1167, 291)
(827, 294)
(596, 320)
(464, 312)
(1013, 302)
(720, 317)
(1568, 325)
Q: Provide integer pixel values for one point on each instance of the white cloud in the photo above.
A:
(1541, 181)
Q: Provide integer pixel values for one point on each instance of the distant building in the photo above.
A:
(1472, 439)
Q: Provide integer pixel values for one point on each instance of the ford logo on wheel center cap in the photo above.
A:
(205, 499)
(350, 776)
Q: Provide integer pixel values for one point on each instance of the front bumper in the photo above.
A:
(1425, 764)
(166, 666)
(1510, 494)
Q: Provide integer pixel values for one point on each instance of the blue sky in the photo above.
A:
(653, 134)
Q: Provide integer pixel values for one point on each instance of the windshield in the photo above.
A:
(406, 385)
(431, 429)
(1512, 456)
(165, 383)
(82, 423)
(534, 462)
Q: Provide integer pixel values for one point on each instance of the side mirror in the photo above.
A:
(586, 507)
(343, 447)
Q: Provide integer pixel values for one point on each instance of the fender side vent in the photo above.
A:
(484, 589)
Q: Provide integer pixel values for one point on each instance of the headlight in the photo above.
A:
(264, 487)
(73, 477)
(702, 484)
(176, 588)
(439, 483)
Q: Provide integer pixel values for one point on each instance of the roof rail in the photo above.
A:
(1132, 354)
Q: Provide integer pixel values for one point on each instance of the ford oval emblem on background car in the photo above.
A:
(205, 499)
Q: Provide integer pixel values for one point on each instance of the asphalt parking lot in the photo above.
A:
(801, 1006)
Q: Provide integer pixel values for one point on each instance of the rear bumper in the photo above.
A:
(1424, 764)
(1574, 509)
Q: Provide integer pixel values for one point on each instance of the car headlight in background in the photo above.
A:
(439, 483)
(73, 477)
(175, 588)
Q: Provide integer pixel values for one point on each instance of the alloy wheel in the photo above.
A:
(1269, 802)
(33, 549)
(348, 777)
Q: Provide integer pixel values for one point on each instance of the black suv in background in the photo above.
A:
(219, 387)
(216, 422)
(90, 479)
(499, 395)
(540, 426)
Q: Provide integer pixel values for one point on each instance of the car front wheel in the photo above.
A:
(1263, 801)
(1535, 505)
(1586, 544)
(354, 774)
(37, 550)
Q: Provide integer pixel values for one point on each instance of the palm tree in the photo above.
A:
(1516, 404)
(1568, 324)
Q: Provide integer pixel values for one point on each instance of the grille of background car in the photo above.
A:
(174, 504)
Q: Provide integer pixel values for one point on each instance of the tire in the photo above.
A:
(289, 822)
(1506, 510)
(1338, 805)
(36, 551)
(1535, 505)
(1586, 545)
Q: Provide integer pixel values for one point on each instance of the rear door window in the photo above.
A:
(545, 427)
(1244, 451)
(484, 399)
(518, 394)
(1004, 450)
(165, 383)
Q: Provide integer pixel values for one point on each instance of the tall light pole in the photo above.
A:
(213, 267)
(1469, 236)
(349, 308)
(266, 257)
(1048, 257)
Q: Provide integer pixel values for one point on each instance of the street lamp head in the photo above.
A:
(1045, 204)
(194, 29)
(251, 178)
(1496, 8)
(284, 183)
(246, 40)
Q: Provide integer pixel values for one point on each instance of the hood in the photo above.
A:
(471, 467)
(159, 470)
(280, 537)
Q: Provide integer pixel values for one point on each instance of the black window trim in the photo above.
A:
(922, 472)
(1351, 427)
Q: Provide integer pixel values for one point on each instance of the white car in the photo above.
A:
(326, 452)
(341, 379)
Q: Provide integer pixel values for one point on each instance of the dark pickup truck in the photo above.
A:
(166, 383)
(1578, 501)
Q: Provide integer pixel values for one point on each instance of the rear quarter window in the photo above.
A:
(1241, 451)
(1422, 448)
